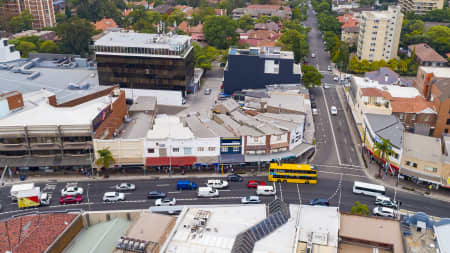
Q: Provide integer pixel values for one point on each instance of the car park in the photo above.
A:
(384, 211)
(319, 202)
(113, 196)
(166, 202)
(125, 187)
(217, 183)
(386, 202)
(207, 91)
(255, 183)
(333, 110)
(70, 199)
(156, 195)
(72, 190)
(234, 178)
(250, 200)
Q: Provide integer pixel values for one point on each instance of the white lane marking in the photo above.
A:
(332, 128)
(281, 192)
(161, 185)
(227, 190)
(340, 167)
(299, 196)
(275, 187)
(338, 173)
(174, 192)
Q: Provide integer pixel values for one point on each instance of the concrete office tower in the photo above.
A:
(420, 7)
(41, 10)
(379, 34)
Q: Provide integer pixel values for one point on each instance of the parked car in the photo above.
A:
(207, 91)
(156, 195)
(333, 110)
(326, 86)
(384, 211)
(329, 68)
(319, 202)
(315, 111)
(312, 97)
(336, 78)
(313, 55)
(251, 200)
(386, 202)
(125, 187)
(113, 196)
(165, 202)
(72, 190)
(255, 183)
(234, 178)
(313, 105)
(70, 199)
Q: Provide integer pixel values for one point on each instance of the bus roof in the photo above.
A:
(290, 166)
(367, 185)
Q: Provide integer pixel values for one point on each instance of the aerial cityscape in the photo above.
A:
(201, 126)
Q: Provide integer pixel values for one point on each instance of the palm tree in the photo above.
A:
(360, 209)
(383, 151)
(105, 158)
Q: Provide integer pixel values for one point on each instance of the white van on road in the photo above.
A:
(207, 192)
(265, 190)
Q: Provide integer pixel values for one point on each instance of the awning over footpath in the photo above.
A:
(46, 161)
(231, 158)
(295, 152)
(170, 161)
(421, 176)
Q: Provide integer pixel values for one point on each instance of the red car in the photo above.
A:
(255, 183)
(70, 199)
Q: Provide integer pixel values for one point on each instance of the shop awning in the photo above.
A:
(421, 176)
(46, 161)
(231, 158)
(170, 161)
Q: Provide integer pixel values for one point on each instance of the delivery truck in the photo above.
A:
(15, 189)
(32, 198)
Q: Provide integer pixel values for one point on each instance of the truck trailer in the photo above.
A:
(32, 198)
(15, 189)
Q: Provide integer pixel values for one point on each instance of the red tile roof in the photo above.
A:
(374, 92)
(32, 233)
(426, 53)
(263, 35)
(267, 7)
(411, 105)
(126, 12)
(221, 12)
(105, 24)
(258, 43)
(185, 27)
(348, 20)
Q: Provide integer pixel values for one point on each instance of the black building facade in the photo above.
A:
(255, 68)
(153, 62)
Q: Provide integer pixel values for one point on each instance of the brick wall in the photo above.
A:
(67, 236)
(443, 110)
(114, 120)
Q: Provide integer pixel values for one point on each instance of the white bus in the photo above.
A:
(368, 189)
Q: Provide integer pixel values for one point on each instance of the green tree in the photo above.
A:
(360, 209)
(402, 66)
(365, 66)
(311, 77)
(392, 64)
(328, 23)
(295, 41)
(75, 36)
(200, 15)
(383, 150)
(367, 2)
(105, 159)
(25, 47)
(48, 46)
(355, 65)
(220, 31)
(246, 22)
(262, 19)
(323, 7)
(439, 38)
(341, 56)
(177, 16)
(21, 22)
(60, 17)
(438, 15)
(145, 21)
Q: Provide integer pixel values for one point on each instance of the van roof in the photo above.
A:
(383, 197)
(265, 186)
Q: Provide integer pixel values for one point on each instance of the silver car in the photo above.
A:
(125, 187)
(207, 91)
(251, 200)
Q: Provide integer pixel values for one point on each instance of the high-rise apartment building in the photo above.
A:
(41, 10)
(379, 34)
(420, 7)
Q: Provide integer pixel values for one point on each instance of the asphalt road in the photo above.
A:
(327, 187)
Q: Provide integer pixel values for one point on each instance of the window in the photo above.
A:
(413, 117)
(255, 139)
(188, 151)
(395, 155)
(446, 130)
(175, 150)
(431, 169)
(372, 44)
(151, 150)
(412, 164)
(374, 33)
(235, 149)
(448, 121)
(200, 149)
(211, 148)
(224, 149)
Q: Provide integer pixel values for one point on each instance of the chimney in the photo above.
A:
(52, 101)
(386, 78)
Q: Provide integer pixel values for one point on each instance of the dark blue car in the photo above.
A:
(156, 195)
(319, 202)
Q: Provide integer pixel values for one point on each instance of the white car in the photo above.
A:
(315, 111)
(165, 202)
(333, 110)
(216, 183)
(384, 211)
(313, 55)
(113, 196)
(251, 200)
(326, 86)
(329, 68)
(125, 187)
(72, 190)
(336, 78)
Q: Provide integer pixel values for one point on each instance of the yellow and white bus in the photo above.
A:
(292, 173)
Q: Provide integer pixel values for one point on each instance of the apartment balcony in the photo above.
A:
(45, 146)
(13, 147)
(69, 145)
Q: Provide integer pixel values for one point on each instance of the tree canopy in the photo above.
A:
(75, 34)
(21, 22)
(360, 209)
(246, 22)
(295, 41)
(220, 31)
(311, 77)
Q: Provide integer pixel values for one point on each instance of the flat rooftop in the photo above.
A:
(37, 111)
(324, 229)
(422, 147)
(372, 229)
(56, 80)
(169, 127)
(440, 72)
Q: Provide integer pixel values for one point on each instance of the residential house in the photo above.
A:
(257, 10)
(350, 29)
(221, 12)
(426, 56)
(43, 35)
(196, 32)
(420, 7)
(417, 114)
(105, 24)
(260, 38)
(383, 75)
(426, 159)
(163, 9)
(376, 127)
(142, 3)
(271, 26)
(188, 10)
(434, 84)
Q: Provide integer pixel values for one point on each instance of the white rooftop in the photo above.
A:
(143, 40)
(169, 127)
(395, 90)
(37, 111)
(439, 72)
(323, 222)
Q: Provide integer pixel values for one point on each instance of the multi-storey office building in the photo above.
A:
(379, 34)
(145, 61)
(41, 10)
(420, 7)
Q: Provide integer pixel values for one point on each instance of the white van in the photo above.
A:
(216, 183)
(265, 190)
(207, 192)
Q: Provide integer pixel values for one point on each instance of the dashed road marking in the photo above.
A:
(162, 185)
(175, 192)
